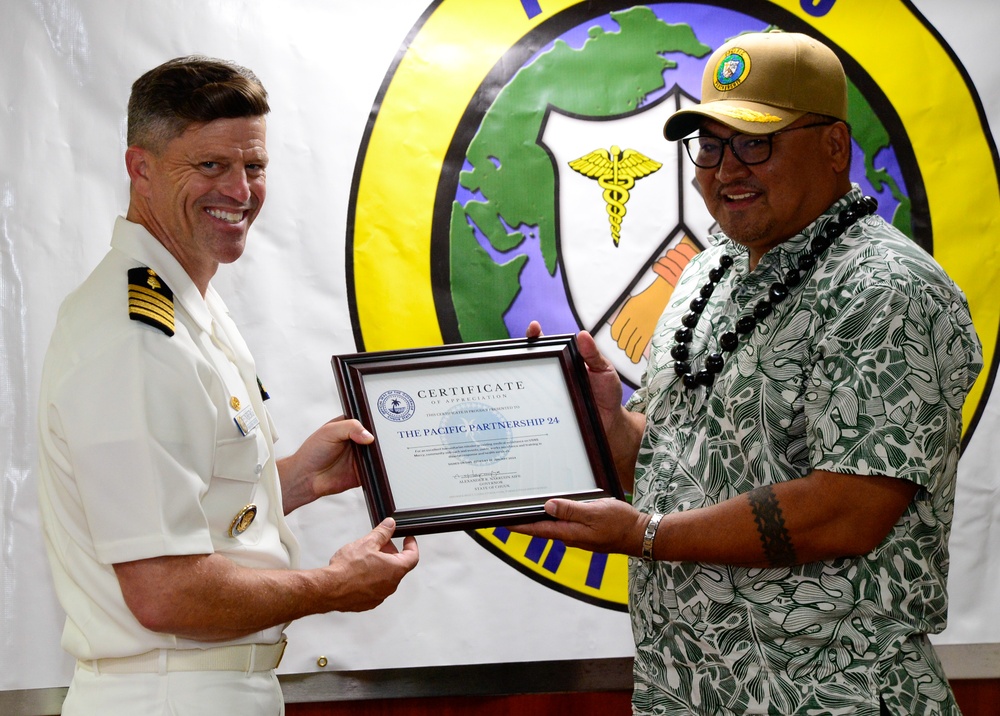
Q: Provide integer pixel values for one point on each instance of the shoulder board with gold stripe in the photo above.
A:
(150, 300)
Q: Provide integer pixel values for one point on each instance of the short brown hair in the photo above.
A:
(169, 98)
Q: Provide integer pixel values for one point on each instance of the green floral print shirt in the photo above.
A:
(862, 369)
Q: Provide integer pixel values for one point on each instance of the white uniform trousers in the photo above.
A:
(176, 693)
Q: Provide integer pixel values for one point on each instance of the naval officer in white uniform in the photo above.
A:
(161, 499)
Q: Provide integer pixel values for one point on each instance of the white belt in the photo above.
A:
(247, 658)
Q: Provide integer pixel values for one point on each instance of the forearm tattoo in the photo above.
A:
(777, 543)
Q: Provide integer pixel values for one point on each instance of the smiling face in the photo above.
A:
(763, 205)
(199, 195)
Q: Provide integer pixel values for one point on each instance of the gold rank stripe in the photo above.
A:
(139, 295)
(151, 310)
(163, 314)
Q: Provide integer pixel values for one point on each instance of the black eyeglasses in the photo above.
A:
(706, 151)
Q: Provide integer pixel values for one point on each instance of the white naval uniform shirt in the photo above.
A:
(140, 455)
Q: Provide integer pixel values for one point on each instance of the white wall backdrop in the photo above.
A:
(67, 66)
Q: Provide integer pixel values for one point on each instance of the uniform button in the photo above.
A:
(258, 469)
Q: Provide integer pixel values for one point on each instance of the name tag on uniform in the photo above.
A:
(246, 420)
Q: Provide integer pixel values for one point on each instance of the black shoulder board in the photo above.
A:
(150, 300)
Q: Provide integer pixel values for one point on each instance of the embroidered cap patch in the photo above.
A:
(732, 70)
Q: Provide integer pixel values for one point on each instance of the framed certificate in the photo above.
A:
(475, 434)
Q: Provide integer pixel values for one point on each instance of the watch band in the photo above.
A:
(650, 536)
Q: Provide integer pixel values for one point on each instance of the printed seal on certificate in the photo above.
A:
(395, 405)
(475, 434)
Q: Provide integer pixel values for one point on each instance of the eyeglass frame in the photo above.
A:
(728, 142)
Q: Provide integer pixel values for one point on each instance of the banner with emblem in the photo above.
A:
(447, 172)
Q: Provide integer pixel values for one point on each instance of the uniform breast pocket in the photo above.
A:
(229, 503)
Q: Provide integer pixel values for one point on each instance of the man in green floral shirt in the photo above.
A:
(796, 436)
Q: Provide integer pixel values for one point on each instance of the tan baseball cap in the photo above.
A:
(761, 82)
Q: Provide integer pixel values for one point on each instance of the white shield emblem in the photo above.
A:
(626, 196)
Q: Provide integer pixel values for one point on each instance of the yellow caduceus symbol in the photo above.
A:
(616, 172)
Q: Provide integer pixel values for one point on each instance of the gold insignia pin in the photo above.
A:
(235, 402)
(244, 518)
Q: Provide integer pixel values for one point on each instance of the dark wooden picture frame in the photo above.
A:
(353, 370)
